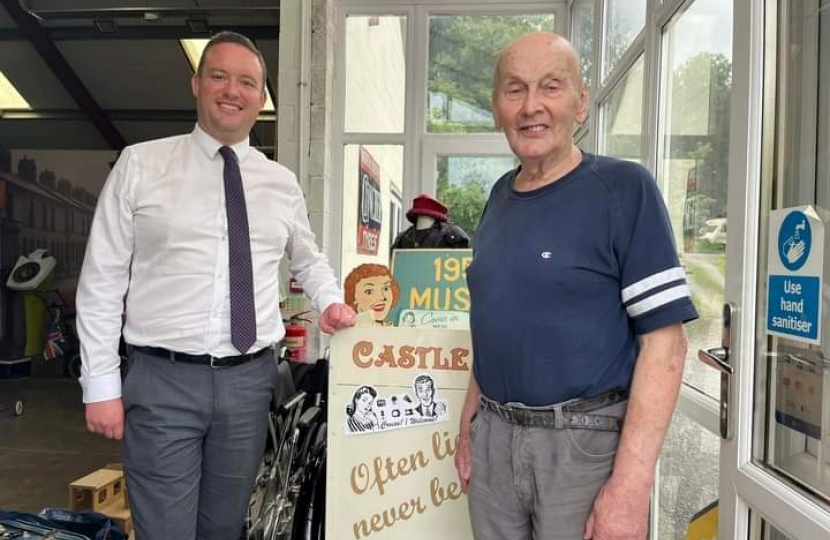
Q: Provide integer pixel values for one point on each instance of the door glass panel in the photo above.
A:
(792, 430)
(462, 54)
(693, 163)
(622, 117)
(625, 19)
(761, 529)
(689, 467)
(375, 75)
(464, 184)
(372, 175)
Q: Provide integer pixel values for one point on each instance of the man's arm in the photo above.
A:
(100, 300)
(312, 270)
(463, 457)
(621, 508)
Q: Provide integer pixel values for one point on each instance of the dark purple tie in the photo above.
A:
(243, 310)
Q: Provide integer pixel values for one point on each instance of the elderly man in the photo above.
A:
(186, 243)
(577, 305)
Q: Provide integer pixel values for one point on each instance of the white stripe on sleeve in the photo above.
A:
(652, 281)
(657, 300)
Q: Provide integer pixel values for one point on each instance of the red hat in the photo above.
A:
(424, 205)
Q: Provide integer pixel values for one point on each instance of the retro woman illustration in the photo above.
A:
(360, 412)
(372, 291)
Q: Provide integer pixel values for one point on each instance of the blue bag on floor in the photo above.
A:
(61, 524)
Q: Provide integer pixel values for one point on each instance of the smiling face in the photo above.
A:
(424, 391)
(538, 97)
(374, 294)
(229, 92)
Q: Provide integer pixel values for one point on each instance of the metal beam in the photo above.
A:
(118, 115)
(30, 27)
(139, 32)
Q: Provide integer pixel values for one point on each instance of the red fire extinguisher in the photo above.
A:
(296, 338)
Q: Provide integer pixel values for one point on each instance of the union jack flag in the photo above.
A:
(54, 338)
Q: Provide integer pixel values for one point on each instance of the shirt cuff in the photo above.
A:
(327, 299)
(102, 388)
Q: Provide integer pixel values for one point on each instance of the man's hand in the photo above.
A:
(464, 461)
(336, 317)
(619, 513)
(106, 418)
(464, 455)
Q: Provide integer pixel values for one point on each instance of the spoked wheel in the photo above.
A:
(311, 500)
(309, 520)
(272, 506)
(262, 520)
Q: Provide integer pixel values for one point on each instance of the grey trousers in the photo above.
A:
(193, 440)
(536, 483)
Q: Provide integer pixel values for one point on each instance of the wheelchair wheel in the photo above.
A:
(309, 518)
(266, 505)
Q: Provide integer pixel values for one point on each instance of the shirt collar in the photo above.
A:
(210, 146)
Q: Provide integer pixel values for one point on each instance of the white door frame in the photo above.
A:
(744, 486)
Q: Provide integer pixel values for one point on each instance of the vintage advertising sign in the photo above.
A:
(433, 284)
(795, 265)
(370, 209)
(394, 403)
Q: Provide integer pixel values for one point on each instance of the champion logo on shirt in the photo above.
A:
(546, 255)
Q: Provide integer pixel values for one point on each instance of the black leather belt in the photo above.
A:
(573, 414)
(201, 359)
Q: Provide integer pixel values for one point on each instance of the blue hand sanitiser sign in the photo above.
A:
(795, 264)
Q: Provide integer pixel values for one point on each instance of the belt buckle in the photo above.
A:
(212, 360)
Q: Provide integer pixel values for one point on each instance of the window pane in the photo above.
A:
(624, 21)
(622, 117)
(694, 161)
(369, 173)
(583, 35)
(792, 374)
(375, 73)
(689, 466)
(462, 55)
(464, 184)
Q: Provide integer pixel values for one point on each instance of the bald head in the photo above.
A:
(539, 44)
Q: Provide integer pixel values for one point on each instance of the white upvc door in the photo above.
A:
(775, 456)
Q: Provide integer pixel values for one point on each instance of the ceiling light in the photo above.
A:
(10, 98)
(193, 49)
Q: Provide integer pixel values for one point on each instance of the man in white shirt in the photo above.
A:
(194, 404)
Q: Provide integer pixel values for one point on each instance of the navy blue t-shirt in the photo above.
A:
(565, 277)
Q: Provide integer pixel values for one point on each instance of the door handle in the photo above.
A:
(718, 358)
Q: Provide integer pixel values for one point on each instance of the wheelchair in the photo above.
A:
(288, 499)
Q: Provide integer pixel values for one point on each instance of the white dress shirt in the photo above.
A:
(158, 255)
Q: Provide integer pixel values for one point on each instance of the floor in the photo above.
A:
(47, 447)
